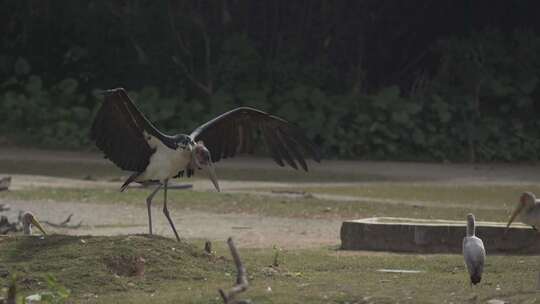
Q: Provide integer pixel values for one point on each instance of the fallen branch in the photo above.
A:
(5, 183)
(241, 278)
(6, 226)
(64, 224)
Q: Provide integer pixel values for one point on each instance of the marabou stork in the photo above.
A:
(528, 209)
(473, 252)
(132, 143)
(29, 220)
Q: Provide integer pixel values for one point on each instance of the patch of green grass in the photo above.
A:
(304, 207)
(321, 275)
(487, 195)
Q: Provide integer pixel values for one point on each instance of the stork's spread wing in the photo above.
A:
(119, 130)
(233, 131)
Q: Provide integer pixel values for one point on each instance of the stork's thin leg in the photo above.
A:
(149, 205)
(166, 211)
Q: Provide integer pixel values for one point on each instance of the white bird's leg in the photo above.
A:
(149, 205)
(166, 211)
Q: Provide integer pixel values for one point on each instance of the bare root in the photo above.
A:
(241, 278)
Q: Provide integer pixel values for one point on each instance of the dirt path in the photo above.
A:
(22, 181)
(248, 230)
(448, 172)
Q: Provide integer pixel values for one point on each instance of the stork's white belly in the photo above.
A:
(474, 254)
(165, 163)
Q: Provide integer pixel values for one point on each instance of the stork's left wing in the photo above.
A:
(232, 133)
(119, 130)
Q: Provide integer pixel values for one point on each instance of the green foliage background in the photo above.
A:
(473, 95)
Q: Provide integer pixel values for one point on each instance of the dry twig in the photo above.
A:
(64, 224)
(12, 293)
(241, 278)
(208, 247)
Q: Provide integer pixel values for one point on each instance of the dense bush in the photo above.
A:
(479, 103)
(56, 115)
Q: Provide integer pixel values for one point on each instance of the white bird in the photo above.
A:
(132, 143)
(528, 209)
(473, 252)
(29, 220)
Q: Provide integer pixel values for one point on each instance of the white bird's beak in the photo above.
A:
(514, 214)
(213, 176)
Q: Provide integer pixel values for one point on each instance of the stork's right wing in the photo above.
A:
(122, 132)
(232, 132)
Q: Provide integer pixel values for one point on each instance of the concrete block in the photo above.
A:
(434, 236)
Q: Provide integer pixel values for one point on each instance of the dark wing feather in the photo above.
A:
(292, 146)
(232, 133)
(118, 130)
(269, 140)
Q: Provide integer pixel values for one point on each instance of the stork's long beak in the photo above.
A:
(514, 214)
(212, 175)
(36, 223)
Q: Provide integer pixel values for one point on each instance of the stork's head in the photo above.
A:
(28, 219)
(470, 224)
(201, 158)
(470, 218)
(526, 201)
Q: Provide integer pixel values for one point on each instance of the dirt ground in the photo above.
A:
(249, 230)
(112, 219)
